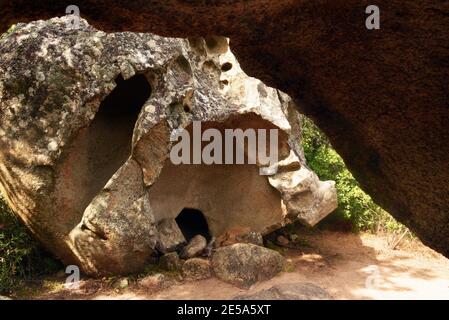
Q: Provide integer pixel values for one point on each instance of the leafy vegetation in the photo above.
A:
(8, 32)
(21, 257)
(356, 208)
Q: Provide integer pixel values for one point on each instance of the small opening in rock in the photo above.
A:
(226, 66)
(184, 64)
(127, 98)
(105, 145)
(186, 108)
(192, 222)
(216, 45)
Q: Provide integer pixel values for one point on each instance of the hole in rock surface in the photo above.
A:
(192, 222)
(101, 149)
(217, 45)
(226, 66)
(126, 99)
(112, 128)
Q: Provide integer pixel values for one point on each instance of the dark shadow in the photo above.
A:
(192, 222)
(127, 98)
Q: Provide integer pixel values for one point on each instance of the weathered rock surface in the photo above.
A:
(152, 282)
(380, 95)
(289, 291)
(171, 262)
(85, 140)
(197, 269)
(170, 237)
(251, 237)
(303, 183)
(244, 264)
(194, 248)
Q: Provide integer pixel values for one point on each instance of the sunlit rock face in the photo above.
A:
(86, 137)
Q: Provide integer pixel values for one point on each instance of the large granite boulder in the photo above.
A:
(380, 95)
(88, 126)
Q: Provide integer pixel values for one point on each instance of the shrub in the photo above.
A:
(21, 257)
(355, 206)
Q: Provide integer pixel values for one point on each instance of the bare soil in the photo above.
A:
(348, 266)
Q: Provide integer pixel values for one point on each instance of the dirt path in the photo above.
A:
(348, 266)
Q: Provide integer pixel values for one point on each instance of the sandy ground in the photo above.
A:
(348, 266)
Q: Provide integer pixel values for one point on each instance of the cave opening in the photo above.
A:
(127, 98)
(103, 147)
(192, 222)
(110, 133)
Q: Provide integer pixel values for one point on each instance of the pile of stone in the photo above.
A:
(241, 264)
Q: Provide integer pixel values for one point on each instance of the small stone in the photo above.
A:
(122, 283)
(244, 264)
(209, 248)
(197, 269)
(251, 237)
(171, 262)
(283, 241)
(53, 146)
(195, 247)
(152, 282)
(170, 236)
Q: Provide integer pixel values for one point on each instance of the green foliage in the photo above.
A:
(8, 32)
(20, 255)
(355, 206)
